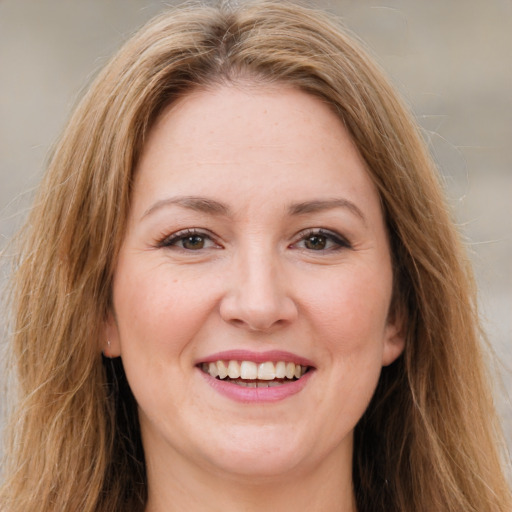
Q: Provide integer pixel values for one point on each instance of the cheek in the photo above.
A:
(348, 313)
(350, 308)
(156, 312)
(157, 317)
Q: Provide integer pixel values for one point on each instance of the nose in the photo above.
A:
(258, 294)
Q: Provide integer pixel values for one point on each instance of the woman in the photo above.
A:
(242, 217)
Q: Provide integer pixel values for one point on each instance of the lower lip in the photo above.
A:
(257, 395)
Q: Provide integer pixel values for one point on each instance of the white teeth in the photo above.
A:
(267, 371)
(290, 370)
(281, 370)
(212, 369)
(233, 370)
(251, 371)
(248, 370)
(222, 369)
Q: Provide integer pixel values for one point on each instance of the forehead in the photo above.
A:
(252, 141)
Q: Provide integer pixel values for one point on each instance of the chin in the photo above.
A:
(260, 453)
(260, 466)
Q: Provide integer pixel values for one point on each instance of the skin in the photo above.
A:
(256, 280)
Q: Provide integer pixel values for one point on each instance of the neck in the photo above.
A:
(177, 486)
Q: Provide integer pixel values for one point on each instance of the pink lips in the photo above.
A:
(257, 357)
(257, 395)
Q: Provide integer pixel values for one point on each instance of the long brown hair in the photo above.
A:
(429, 440)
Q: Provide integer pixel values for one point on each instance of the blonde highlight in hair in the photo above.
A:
(429, 439)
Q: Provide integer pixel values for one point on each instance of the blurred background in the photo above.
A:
(451, 60)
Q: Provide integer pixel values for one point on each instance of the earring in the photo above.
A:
(108, 353)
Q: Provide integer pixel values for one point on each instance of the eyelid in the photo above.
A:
(169, 240)
(339, 240)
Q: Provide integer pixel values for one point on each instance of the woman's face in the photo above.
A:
(255, 243)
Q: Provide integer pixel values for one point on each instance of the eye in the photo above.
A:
(321, 240)
(189, 240)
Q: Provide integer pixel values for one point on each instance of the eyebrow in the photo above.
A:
(325, 204)
(199, 204)
(213, 207)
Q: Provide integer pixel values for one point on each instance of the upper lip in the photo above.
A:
(256, 357)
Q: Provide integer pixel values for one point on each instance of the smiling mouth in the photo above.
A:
(255, 375)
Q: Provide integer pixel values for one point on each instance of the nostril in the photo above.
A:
(263, 316)
(257, 295)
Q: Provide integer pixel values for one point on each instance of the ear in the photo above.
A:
(110, 337)
(394, 340)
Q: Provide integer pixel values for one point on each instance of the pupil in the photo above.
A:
(193, 242)
(316, 242)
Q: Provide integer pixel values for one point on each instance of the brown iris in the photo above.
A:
(315, 242)
(193, 242)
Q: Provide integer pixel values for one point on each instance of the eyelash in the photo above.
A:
(337, 241)
(175, 238)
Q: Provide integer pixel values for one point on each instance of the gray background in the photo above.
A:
(451, 59)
